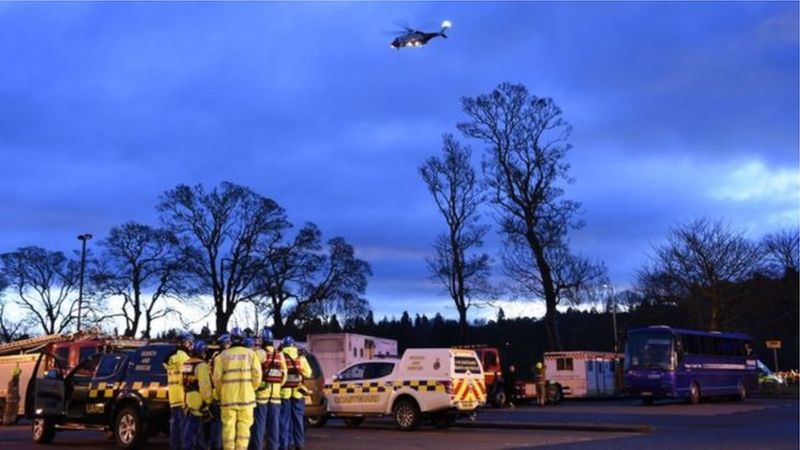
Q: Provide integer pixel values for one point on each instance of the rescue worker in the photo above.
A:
(215, 428)
(541, 384)
(268, 395)
(12, 397)
(174, 367)
(237, 375)
(510, 385)
(197, 389)
(293, 392)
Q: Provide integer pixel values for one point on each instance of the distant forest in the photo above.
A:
(767, 310)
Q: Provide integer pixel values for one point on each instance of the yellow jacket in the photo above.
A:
(237, 374)
(174, 366)
(271, 360)
(197, 384)
(292, 357)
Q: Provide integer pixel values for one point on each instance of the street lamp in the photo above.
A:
(83, 238)
(610, 294)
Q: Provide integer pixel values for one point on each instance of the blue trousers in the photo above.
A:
(292, 432)
(193, 437)
(215, 432)
(259, 427)
(176, 419)
(273, 426)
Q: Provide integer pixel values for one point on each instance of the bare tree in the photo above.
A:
(10, 328)
(700, 263)
(527, 141)
(46, 284)
(305, 280)
(782, 251)
(452, 182)
(143, 266)
(225, 233)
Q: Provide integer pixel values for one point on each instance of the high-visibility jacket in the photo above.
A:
(273, 375)
(174, 366)
(237, 375)
(196, 385)
(297, 370)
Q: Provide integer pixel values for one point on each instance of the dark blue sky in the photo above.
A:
(679, 110)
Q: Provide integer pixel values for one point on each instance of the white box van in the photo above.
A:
(334, 351)
(437, 384)
(584, 373)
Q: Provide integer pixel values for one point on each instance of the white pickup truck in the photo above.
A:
(437, 384)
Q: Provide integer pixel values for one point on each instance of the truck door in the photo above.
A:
(346, 388)
(104, 387)
(77, 385)
(45, 395)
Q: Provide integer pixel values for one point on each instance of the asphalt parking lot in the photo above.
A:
(753, 424)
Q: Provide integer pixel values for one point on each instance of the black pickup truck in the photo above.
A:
(122, 391)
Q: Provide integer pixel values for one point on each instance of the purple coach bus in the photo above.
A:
(664, 362)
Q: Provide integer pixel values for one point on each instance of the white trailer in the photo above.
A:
(584, 373)
(335, 351)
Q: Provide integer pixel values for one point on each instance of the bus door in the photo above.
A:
(45, 395)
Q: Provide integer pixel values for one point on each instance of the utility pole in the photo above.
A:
(83, 238)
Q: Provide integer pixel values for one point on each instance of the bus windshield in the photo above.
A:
(651, 350)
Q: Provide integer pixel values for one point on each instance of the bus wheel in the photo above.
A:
(694, 393)
(647, 401)
(741, 392)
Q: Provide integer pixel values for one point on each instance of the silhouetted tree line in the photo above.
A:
(214, 251)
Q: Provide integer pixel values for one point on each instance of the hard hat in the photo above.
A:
(200, 346)
(236, 332)
(288, 341)
(224, 339)
(266, 336)
(249, 342)
(186, 337)
(539, 365)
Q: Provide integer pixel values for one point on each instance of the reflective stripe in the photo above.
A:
(238, 380)
(239, 370)
(236, 404)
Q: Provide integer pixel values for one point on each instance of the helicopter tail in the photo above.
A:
(445, 25)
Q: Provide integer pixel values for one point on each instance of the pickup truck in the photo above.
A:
(436, 384)
(122, 391)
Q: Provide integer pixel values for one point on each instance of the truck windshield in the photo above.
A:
(652, 350)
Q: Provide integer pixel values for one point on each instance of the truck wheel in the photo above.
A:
(694, 393)
(353, 422)
(498, 399)
(554, 394)
(406, 414)
(129, 429)
(43, 431)
(317, 421)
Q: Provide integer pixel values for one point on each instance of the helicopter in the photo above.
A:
(415, 38)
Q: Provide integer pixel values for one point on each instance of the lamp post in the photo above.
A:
(610, 294)
(83, 238)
